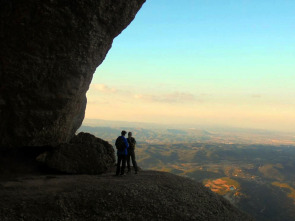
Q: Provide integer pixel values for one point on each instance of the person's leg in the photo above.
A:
(123, 164)
(118, 164)
(128, 161)
(134, 161)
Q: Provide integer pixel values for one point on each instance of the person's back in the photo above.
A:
(131, 142)
(122, 146)
(131, 153)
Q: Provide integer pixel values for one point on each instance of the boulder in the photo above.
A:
(49, 52)
(84, 154)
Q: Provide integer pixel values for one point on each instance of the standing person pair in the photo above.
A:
(125, 150)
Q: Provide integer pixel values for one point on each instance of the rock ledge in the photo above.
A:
(149, 195)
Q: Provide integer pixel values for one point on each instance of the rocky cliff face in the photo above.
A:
(49, 52)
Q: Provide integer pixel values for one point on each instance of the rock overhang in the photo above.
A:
(49, 52)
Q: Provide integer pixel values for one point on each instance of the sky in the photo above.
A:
(204, 63)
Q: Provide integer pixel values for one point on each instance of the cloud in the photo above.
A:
(103, 88)
(176, 97)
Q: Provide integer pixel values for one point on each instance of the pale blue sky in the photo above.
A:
(220, 52)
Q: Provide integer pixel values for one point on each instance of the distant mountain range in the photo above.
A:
(157, 133)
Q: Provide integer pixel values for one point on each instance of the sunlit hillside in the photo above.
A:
(257, 178)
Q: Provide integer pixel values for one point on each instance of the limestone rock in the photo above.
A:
(49, 52)
(84, 154)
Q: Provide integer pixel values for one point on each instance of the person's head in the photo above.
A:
(123, 133)
(129, 134)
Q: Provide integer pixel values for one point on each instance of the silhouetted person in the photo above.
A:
(131, 153)
(122, 146)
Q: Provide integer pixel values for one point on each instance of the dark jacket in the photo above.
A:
(124, 152)
(131, 142)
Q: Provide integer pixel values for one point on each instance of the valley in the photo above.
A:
(257, 178)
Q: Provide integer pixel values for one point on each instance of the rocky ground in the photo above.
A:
(149, 195)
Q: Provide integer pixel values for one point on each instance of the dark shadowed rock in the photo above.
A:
(49, 52)
(149, 195)
(85, 154)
